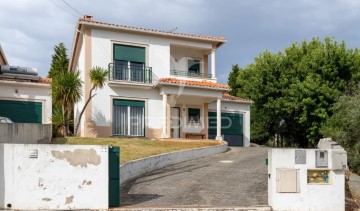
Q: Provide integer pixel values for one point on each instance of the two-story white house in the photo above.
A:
(160, 85)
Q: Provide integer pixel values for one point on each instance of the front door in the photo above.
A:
(175, 122)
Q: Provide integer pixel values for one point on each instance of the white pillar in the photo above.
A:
(213, 64)
(164, 105)
(218, 120)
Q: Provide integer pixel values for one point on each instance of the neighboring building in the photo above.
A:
(24, 97)
(161, 85)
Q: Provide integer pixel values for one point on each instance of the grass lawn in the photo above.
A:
(134, 148)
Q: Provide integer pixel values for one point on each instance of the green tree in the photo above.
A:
(59, 62)
(233, 77)
(66, 90)
(98, 78)
(294, 90)
(343, 126)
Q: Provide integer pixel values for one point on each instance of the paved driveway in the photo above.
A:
(235, 178)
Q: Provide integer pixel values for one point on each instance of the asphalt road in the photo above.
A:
(235, 178)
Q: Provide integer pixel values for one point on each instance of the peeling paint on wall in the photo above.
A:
(86, 182)
(46, 199)
(79, 157)
(69, 200)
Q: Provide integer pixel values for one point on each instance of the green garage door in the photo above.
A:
(21, 111)
(231, 127)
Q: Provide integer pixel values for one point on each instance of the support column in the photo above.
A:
(213, 64)
(218, 120)
(164, 123)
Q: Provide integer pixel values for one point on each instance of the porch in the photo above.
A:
(185, 111)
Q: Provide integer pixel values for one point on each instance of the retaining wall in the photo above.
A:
(25, 133)
(138, 167)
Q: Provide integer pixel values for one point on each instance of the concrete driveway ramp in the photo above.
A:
(235, 180)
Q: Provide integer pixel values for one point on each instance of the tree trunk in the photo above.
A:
(82, 111)
(64, 119)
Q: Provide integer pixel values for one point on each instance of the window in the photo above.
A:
(194, 115)
(194, 67)
(129, 63)
(128, 117)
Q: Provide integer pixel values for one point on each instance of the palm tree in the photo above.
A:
(98, 79)
(66, 90)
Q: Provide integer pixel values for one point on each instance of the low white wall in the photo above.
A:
(311, 196)
(138, 167)
(25, 133)
(61, 177)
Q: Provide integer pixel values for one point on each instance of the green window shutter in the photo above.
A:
(194, 114)
(194, 66)
(118, 102)
(194, 111)
(21, 111)
(129, 53)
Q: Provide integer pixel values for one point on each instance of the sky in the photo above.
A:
(30, 29)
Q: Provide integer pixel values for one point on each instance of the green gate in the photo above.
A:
(231, 127)
(114, 176)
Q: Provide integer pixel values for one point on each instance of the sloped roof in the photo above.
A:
(152, 31)
(227, 96)
(205, 84)
(41, 81)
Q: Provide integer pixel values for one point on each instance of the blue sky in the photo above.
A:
(30, 29)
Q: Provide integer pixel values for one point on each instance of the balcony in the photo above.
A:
(190, 74)
(131, 73)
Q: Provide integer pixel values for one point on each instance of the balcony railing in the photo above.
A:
(137, 73)
(190, 74)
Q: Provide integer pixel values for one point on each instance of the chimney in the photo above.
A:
(88, 17)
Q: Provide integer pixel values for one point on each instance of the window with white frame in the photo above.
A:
(128, 117)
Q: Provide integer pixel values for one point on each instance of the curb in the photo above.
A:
(253, 208)
(142, 166)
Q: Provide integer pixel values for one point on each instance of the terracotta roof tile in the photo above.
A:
(194, 83)
(227, 96)
(42, 80)
(211, 38)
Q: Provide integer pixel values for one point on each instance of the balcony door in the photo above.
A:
(129, 63)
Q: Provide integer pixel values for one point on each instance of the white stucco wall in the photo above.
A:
(29, 92)
(102, 104)
(158, 49)
(79, 105)
(61, 177)
(311, 196)
(243, 108)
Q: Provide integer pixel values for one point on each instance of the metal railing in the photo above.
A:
(131, 73)
(190, 74)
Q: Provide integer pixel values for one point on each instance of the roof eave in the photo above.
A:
(219, 42)
(238, 101)
(193, 86)
(74, 46)
(2, 54)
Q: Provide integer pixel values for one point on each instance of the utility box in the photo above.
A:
(321, 160)
(287, 181)
(339, 159)
(300, 156)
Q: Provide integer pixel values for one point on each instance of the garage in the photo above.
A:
(231, 127)
(21, 111)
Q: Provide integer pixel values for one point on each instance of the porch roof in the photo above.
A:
(195, 84)
(229, 97)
